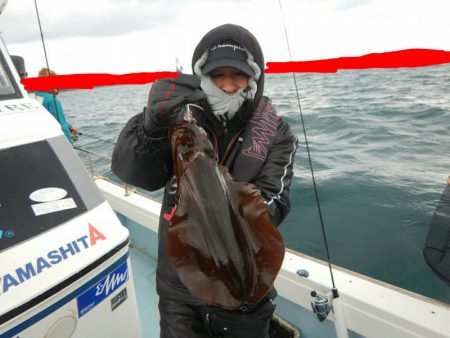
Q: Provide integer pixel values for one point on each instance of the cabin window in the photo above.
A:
(42, 185)
(8, 87)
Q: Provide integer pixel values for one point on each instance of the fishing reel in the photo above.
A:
(321, 305)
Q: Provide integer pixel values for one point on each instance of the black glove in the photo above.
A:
(166, 99)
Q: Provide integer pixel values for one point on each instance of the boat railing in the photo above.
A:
(90, 153)
(96, 162)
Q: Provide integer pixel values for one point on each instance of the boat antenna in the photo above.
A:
(341, 330)
(46, 58)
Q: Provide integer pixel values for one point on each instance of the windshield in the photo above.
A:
(8, 86)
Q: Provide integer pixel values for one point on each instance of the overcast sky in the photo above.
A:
(127, 36)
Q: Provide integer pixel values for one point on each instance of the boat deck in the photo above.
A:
(144, 272)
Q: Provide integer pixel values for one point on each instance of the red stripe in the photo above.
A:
(89, 81)
(396, 59)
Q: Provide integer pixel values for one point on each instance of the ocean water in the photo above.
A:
(379, 142)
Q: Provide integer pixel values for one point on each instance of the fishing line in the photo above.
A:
(97, 138)
(308, 151)
(46, 58)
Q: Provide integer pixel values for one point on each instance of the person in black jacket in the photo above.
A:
(249, 139)
(19, 64)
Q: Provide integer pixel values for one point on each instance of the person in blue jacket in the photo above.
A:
(54, 106)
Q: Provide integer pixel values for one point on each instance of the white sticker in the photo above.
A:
(54, 206)
(21, 108)
(48, 194)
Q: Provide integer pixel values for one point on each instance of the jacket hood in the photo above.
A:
(241, 35)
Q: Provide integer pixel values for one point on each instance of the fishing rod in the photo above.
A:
(320, 304)
(46, 58)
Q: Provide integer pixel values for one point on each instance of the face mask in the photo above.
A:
(225, 106)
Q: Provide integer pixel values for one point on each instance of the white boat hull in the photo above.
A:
(371, 308)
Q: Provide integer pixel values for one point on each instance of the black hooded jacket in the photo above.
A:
(238, 34)
(146, 162)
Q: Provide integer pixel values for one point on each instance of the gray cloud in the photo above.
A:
(92, 18)
(114, 18)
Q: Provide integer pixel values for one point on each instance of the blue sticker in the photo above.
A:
(97, 293)
(9, 233)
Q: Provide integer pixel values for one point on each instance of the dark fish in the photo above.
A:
(225, 248)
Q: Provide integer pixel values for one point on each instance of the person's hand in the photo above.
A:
(74, 133)
(166, 99)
